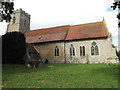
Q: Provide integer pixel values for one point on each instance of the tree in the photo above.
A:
(118, 54)
(6, 9)
(13, 47)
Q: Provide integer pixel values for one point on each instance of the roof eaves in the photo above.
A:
(87, 38)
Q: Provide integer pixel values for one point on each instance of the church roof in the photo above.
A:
(66, 33)
(47, 35)
(86, 31)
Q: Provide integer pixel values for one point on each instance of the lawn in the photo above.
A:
(61, 76)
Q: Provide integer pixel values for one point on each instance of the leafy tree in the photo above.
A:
(6, 11)
(13, 47)
(118, 54)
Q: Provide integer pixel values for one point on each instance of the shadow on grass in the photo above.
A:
(16, 69)
(21, 68)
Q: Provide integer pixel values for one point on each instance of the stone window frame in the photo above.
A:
(72, 50)
(56, 51)
(94, 49)
(82, 50)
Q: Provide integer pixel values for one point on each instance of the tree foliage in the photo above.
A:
(13, 47)
(7, 10)
(118, 54)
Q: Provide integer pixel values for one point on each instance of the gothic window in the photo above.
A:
(94, 49)
(82, 50)
(72, 50)
(56, 51)
(14, 19)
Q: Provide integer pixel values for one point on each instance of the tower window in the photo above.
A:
(94, 49)
(56, 51)
(25, 22)
(14, 19)
(72, 50)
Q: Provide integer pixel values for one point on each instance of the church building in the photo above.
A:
(83, 43)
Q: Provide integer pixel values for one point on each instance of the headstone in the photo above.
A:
(28, 65)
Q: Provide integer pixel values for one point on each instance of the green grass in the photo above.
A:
(61, 76)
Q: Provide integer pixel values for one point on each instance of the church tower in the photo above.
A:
(20, 21)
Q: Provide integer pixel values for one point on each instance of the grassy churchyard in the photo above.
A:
(61, 76)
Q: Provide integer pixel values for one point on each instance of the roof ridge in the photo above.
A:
(47, 28)
(87, 23)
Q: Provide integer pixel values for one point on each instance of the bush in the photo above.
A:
(13, 47)
(118, 54)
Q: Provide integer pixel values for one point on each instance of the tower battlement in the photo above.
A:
(22, 11)
(20, 21)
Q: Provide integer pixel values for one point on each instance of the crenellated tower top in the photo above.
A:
(20, 21)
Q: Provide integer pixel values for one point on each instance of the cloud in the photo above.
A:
(3, 27)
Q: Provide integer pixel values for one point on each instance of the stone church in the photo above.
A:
(83, 43)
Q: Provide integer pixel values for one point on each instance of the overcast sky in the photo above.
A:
(51, 13)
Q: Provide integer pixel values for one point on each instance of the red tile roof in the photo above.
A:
(47, 35)
(74, 32)
(85, 31)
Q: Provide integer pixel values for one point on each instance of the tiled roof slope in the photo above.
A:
(85, 31)
(74, 32)
(47, 35)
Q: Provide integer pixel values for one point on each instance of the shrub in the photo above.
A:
(118, 54)
(13, 47)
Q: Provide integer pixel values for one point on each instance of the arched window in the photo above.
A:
(94, 49)
(82, 50)
(56, 51)
(14, 19)
(72, 50)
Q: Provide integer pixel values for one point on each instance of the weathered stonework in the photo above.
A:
(47, 51)
(20, 21)
(107, 53)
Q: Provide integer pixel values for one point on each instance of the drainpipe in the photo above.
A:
(65, 51)
(65, 43)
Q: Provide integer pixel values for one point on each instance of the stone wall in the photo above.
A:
(22, 21)
(106, 51)
(47, 51)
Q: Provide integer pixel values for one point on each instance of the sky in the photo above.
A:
(51, 13)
